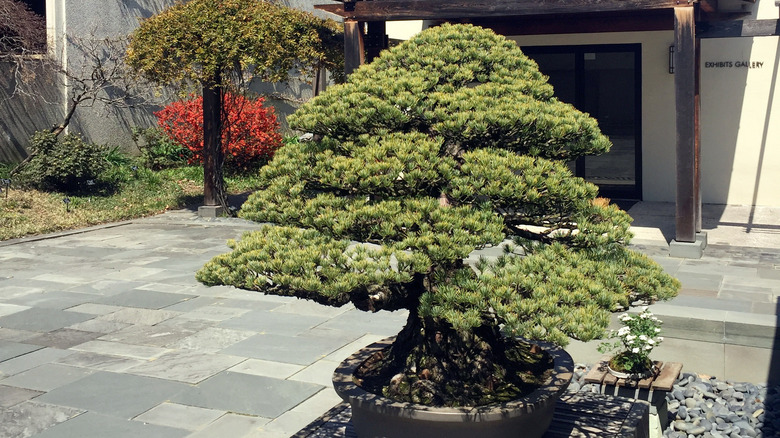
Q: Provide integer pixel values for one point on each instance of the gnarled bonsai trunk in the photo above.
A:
(432, 363)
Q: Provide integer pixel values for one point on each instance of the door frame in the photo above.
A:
(611, 191)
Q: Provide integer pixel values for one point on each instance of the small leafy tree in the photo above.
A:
(215, 44)
(447, 143)
(250, 136)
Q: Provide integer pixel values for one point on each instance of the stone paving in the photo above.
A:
(104, 332)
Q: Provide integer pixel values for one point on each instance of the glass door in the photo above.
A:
(604, 81)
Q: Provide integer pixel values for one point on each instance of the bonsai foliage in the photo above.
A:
(450, 142)
(250, 135)
(216, 45)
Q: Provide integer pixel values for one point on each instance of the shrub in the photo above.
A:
(69, 164)
(249, 136)
(158, 151)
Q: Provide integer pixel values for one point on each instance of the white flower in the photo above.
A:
(657, 330)
(648, 347)
(651, 342)
(660, 338)
(624, 317)
(645, 315)
(623, 331)
(642, 337)
(635, 350)
(630, 337)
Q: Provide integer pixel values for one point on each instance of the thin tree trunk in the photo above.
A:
(213, 182)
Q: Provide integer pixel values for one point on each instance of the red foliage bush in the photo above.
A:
(249, 136)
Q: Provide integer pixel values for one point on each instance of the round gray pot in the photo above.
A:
(374, 416)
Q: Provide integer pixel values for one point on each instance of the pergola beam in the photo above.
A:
(391, 10)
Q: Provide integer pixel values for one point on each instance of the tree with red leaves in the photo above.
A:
(250, 136)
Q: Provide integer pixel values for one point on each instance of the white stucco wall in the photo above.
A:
(658, 119)
(740, 117)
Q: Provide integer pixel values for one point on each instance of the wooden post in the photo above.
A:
(685, 102)
(697, 133)
(212, 148)
(354, 52)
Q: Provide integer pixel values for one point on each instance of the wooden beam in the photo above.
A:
(354, 51)
(685, 102)
(737, 28)
(388, 10)
(644, 21)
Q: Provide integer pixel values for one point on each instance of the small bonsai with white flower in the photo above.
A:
(635, 340)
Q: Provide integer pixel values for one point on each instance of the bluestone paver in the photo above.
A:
(92, 425)
(40, 319)
(47, 377)
(267, 398)
(28, 418)
(11, 395)
(114, 394)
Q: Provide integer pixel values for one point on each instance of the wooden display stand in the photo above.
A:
(652, 389)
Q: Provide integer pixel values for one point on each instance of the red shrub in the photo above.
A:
(249, 135)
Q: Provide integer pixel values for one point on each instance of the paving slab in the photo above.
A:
(273, 322)
(63, 338)
(289, 349)
(118, 395)
(14, 335)
(52, 299)
(99, 326)
(217, 313)
(186, 366)
(11, 395)
(231, 425)
(10, 350)
(180, 416)
(268, 398)
(28, 418)
(99, 362)
(151, 335)
(133, 315)
(211, 339)
(31, 360)
(92, 425)
(142, 352)
(258, 367)
(10, 309)
(38, 319)
(144, 299)
(47, 377)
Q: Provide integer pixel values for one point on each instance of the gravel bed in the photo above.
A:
(705, 407)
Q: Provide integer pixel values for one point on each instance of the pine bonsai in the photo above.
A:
(447, 143)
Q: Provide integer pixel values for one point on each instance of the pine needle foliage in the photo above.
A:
(450, 142)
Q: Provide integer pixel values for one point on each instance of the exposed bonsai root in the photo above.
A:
(433, 364)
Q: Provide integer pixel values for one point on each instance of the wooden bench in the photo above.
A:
(652, 389)
(577, 414)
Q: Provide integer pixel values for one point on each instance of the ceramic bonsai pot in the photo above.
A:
(374, 416)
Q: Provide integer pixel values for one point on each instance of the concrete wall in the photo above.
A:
(105, 19)
(22, 114)
(740, 117)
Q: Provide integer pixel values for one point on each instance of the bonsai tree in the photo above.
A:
(215, 44)
(447, 143)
